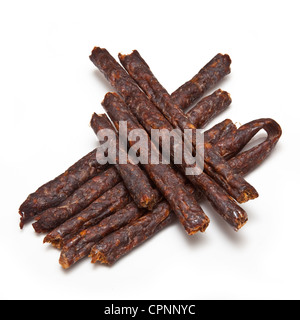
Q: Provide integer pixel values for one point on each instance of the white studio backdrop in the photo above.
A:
(50, 89)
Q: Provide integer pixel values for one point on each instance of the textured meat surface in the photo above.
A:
(80, 245)
(134, 178)
(184, 204)
(233, 183)
(235, 141)
(80, 199)
(111, 201)
(141, 73)
(208, 108)
(57, 190)
(206, 78)
(113, 247)
(147, 114)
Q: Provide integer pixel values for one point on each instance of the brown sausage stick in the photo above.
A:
(56, 191)
(212, 135)
(129, 90)
(138, 69)
(231, 140)
(150, 117)
(80, 199)
(117, 244)
(224, 205)
(206, 78)
(111, 201)
(80, 245)
(134, 178)
(108, 253)
(184, 204)
(208, 108)
(140, 72)
(218, 131)
(236, 140)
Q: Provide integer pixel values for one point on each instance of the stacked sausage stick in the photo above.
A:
(105, 210)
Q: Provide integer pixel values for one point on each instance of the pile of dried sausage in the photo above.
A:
(105, 210)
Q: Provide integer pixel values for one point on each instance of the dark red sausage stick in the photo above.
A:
(150, 117)
(80, 245)
(206, 78)
(56, 191)
(117, 244)
(218, 131)
(140, 72)
(77, 247)
(80, 199)
(166, 179)
(224, 205)
(108, 253)
(134, 178)
(142, 108)
(111, 201)
(208, 108)
(236, 140)
(138, 69)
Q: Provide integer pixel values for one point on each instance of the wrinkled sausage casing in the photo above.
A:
(59, 189)
(134, 178)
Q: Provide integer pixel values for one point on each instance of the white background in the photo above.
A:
(49, 90)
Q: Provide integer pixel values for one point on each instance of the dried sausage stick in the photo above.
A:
(117, 244)
(207, 77)
(224, 205)
(108, 253)
(150, 117)
(57, 190)
(166, 179)
(80, 245)
(138, 69)
(237, 139)
(75, 248)
(218, 131)
(140, 72)
(111, 201)
(208, 108)
(134, 178)
(129, 90)
(212, 135)
(234, 142)
(80, 199)
(54, 192)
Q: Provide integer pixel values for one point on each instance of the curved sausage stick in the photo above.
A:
(231, 144)
(246, 161)
(237, 139)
